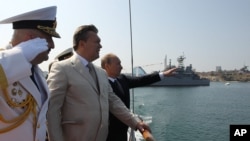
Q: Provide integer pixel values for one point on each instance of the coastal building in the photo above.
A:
(218, 69)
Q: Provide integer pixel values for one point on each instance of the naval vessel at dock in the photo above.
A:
(184, 76)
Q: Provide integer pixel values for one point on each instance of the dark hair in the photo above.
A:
(81, 33)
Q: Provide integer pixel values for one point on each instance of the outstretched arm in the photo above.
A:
(169, 72)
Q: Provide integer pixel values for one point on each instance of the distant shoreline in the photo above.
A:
(225, 76)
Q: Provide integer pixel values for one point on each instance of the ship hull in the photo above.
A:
(174, 81)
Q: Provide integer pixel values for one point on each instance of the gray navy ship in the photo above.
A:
(184, 76)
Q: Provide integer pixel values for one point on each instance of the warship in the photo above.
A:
(184, 76)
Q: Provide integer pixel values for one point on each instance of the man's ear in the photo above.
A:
(106, 66)
(82, 43)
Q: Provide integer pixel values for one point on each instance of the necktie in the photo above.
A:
(92, 72)
(33, 77)
(119, 86)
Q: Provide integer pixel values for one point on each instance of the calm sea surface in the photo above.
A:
(193, 113)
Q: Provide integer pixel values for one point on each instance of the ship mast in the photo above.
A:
(146, 134)
(165, 62)
(180, 61)
(132, 133)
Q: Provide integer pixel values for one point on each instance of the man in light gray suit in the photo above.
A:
(80, 103)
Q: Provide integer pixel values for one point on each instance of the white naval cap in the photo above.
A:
(65, 54)
(42, 19)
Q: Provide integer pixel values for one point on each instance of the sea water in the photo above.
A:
(202, 113)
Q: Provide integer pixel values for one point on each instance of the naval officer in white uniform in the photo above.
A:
(23, 89)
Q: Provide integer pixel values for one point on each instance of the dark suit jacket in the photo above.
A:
(117, 129)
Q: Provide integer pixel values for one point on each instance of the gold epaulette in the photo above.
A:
(3, 79)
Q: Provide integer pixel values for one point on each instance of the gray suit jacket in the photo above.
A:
(78, 111)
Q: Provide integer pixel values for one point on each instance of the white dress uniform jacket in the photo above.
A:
(23, 105)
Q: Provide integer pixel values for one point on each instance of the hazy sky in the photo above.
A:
(209, 33)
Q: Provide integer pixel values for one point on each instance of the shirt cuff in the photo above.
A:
(161, 75)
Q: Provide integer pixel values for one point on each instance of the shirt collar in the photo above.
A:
(83, 60)
(111, 79)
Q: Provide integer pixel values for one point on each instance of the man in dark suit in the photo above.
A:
(121, 85)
